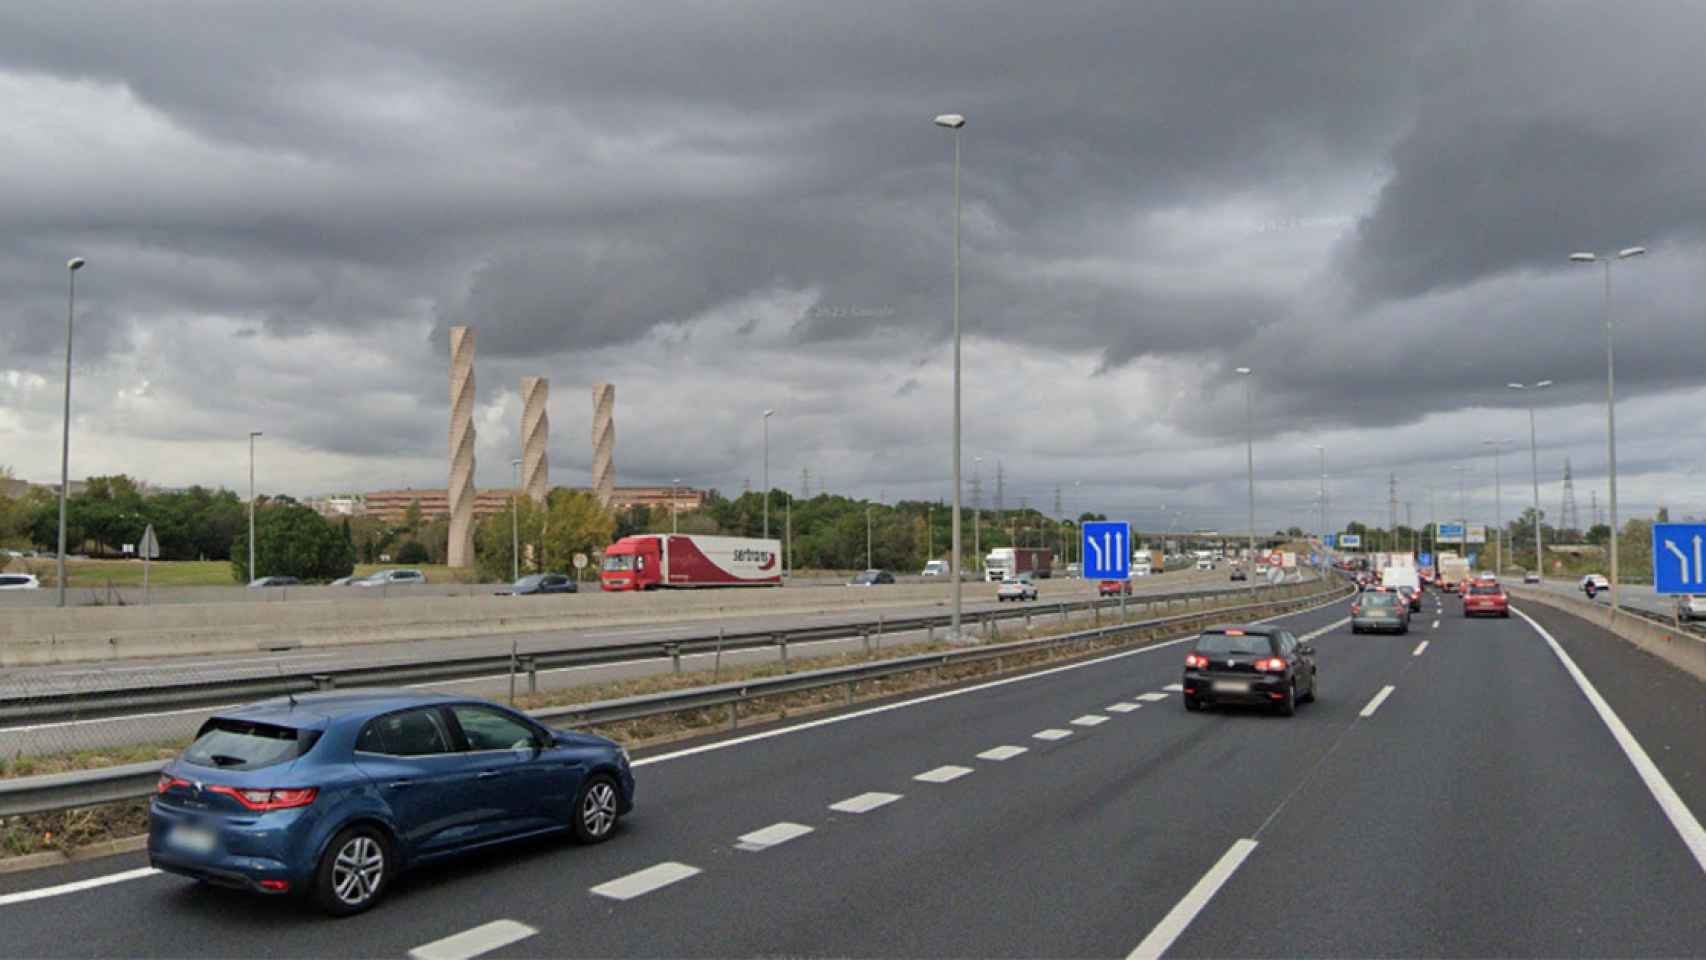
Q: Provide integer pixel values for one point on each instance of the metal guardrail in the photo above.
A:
(119, 701)
(83, 788)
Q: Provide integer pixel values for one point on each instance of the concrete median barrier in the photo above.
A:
(1676, 647)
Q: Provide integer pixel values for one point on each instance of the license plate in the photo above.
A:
(191, 839)
(1231, 686)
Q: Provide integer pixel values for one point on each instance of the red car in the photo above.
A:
(1485, 600)
(1113, 588)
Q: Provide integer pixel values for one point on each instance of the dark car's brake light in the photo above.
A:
(270, 799)
(1271, 665)
(1194, 661)
(1356, 608)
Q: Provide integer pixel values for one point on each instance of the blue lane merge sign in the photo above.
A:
(1329, 540)
(1107, 550)
(1677, 557)
(1426, 559)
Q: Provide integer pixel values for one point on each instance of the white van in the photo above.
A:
(1395, 577)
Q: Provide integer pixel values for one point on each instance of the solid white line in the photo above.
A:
(1089, 720)
(1329, 628)
(864, 802)
(932, 697)
(645, 881)
(1419, 648)
(943, 774)
(1379, 699)
(1153, 697)
(1052, 733)
(471, 943)
(45, 892)
(773, 835)
(1186, 910)
(1002, 753)
(1174, 688)
(1122, 707)
(1681, 818)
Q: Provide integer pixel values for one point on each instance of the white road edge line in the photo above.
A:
(1186, 910)
(642, 882)
(864, 802)
(471, 943)
(1683, 819)
(1419, 648)
(45, 892)
(1379, 699)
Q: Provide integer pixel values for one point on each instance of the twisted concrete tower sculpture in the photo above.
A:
(461, 493)
(604, 442)
(535, 431)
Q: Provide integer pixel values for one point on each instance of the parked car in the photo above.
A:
(1689, 606)
(330, 795)
(18, 581)
(1378, 608)
(1113, 588)
(871, 578)
(936, 568)
(274, 582)
(1251, 664)
(1486, 600)
(1018, 588)
(390, 578)
(538, 583)
(1594, 583)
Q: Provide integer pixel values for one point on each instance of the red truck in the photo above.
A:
(652, 560)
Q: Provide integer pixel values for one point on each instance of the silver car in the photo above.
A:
(1691, 606)
(1019, 588)
(390, 578)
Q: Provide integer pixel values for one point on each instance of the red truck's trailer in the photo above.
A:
(653, 560)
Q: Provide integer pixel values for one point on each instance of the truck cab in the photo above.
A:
(632, 563)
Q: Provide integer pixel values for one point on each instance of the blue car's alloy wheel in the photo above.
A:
(596, 812)
(353, 872)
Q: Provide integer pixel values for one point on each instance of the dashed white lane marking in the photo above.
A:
(773, 835)
(1186, 910)
(1419, 648)
(44, 892)
(864, 802)
(1174, 687)
(642, 882)
(1089, 720)
(1436, 624)
(1681, 818)
(1379, 699)
(1053, 733)
(943, 774)
(471, 943)
(1122, 707)
(1001, 753)
(1153, 697)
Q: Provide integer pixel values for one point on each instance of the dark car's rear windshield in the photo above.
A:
(1486, 589)
(1247, 643)
(243, 745)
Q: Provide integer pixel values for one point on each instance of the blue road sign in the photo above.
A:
(1350, 541)
(1472, 557)
(1451, 532)
(1426, 559)
(1107, 550)
(1315, 559)
(1677, 557)
(1328, 540)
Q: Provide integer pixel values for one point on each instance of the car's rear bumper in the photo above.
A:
(263, 848)
(1261, 688)
(1381, 624)
(1486, 610)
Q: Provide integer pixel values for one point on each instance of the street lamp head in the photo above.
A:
(1516, 386)
(1543, 385)
(515, 463)
(1628, 252)
(255, 433)
(952, 121)
(1583, 258)
(768, 414)
(1242, 371)
(75, 264)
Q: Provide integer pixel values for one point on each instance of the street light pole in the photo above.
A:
(1463, 505)
(1534, 467)
(1250, 466)
(514, 526)
(1323, 451)
(1610, 396)
(868, 536)
(1498, 507)
(767, 415)
(956, 123)
(252, 435)
(71, 267)
(977, 518)
(674, 495)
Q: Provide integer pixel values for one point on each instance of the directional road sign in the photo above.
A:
(1107, 550)
(1425, 559)
(1328, 540)
(150, 549)
(1450, 532)
(1350, 541)
(1677, 557)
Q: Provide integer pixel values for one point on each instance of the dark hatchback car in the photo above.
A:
(541, 583)
(1253, 664)
(871, 578)
(1380, 609)
(331, 795)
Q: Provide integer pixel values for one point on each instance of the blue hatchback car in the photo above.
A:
(330, 795)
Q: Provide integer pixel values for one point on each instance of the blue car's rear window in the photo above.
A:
(245, 745)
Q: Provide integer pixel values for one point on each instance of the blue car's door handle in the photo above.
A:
(399, 784)
(489, 774)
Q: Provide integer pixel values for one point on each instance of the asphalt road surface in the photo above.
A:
(1457, 792)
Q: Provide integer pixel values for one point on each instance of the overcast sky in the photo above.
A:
(726, 207)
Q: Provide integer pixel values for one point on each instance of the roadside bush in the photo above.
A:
(293, 541)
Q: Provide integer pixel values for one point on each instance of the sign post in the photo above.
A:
(580, 565)
(150, 548)
(1107, 550)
